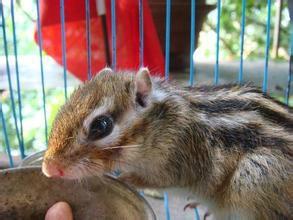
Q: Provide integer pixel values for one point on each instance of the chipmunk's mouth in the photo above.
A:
(52, 170)
(73, 172)
(95, 163)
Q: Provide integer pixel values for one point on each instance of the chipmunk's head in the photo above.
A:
(104, 125)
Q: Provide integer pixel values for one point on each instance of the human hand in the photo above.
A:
(59, 211)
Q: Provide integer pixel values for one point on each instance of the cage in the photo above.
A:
(75, 40)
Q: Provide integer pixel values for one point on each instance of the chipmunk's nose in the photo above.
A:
(50, 169)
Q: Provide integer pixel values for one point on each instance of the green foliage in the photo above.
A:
(33, 118)
(255, 29)
(25, 17)
(282, 99)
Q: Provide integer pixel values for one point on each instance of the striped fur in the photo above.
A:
(230, 145)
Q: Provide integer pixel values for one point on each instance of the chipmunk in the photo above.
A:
(230, 145)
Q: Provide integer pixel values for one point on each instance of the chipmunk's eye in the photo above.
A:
(100, 127)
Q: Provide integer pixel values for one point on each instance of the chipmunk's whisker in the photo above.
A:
(124, 162)
(94, 168)
(122, 146)
(91, 166)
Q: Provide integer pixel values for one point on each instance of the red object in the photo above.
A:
(127, 35)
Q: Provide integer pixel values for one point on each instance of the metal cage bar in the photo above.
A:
(216, 74)
(40, 40)
(113, 33)
(192, 39)
(167, 62)
(167, 45)
(290, 73)
(17, 78)
(265, 76)
(141, 33)
(8, 148)
(88, 39)
(63, 43)
(243, 7)
(166, 205)
(196, 214)
(289, 80)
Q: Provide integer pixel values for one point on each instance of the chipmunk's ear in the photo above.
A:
(143, 85)
(104, 71)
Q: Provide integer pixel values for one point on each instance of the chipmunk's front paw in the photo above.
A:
(194, 205)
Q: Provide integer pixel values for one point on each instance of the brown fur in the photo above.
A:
(230, 145)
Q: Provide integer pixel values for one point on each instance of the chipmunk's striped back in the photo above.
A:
(245, 142)
(261, 120)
